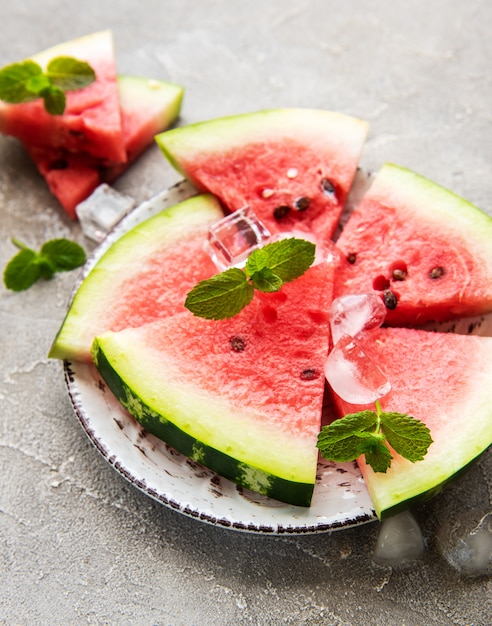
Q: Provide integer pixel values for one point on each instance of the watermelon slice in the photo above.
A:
(242, 396)
(427, 251)
(148, 106)
(145, 275)
(91, 122)
(442, 379)
(293, 167)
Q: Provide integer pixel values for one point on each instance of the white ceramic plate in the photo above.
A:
(340, 497)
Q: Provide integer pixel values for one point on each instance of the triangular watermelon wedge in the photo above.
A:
(293, 167)
(91, 122)
(242, 396)
(425, 250)
(148, 106)
(143, 276)
(444, 380)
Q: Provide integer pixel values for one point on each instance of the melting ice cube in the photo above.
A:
(399, 542)
(468, 551)
(353, 375)
(355, 312)
(234, 237)
(102, 210)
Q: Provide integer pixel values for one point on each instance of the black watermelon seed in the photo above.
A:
(281, 212)
(309, 374)
(238, 344)
(390, 300)
(352, 258)
(59, 164)
(399, 274)
(302, 203)
(327, 186)
(436, 272)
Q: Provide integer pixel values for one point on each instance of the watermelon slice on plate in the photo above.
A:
(91, 122)
(242, 396)
(442, 379)
(148, 106)
(427, 251)
(293, 167)
(143, 276)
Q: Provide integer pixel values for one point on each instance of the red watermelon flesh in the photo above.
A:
(148, 106)
(143, 276)
(442, 379)
(242, 396)
(91, 122)
(293, 167)
(426, 251)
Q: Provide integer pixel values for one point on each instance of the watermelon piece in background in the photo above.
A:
(293, 167)
(442, 379)
(148, 106)
(241, 396)
(91, 122)
(143, 276)
(425, 250)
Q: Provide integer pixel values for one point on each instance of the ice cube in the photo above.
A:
(355, 312)
(102, 210)
(467, 551)
(353, 375)
(400, 541)
(234, 237)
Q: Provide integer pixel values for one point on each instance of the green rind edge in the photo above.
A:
(290, 492)
(425, 496)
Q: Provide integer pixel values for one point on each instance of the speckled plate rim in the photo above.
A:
(340, 497)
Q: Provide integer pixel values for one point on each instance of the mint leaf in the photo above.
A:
(221, 296)
(22, 271)
(265, 280)
(28, 266)
(37, 83)
(368, 433)
(54, 100)
(68, 73)
(376, 453)
(26, 81)
(289, 258)
(340, 440)
(408, 436)
(65, 255)
(257, 261)
(14, 81)
(266, 269)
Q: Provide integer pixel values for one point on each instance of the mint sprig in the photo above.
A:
(368, 433)
(267, 269)
(26, 81)
(28, 266)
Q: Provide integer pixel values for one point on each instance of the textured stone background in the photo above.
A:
(78, 545)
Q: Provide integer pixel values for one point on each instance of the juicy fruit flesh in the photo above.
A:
(426, 250)
(293, 167)
(134, 282)
(454, 401)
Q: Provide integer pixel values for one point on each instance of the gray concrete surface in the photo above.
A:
(78, 544)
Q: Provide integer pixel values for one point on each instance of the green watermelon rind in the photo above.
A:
(240, 472)
(88, 306)
(388, 510)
